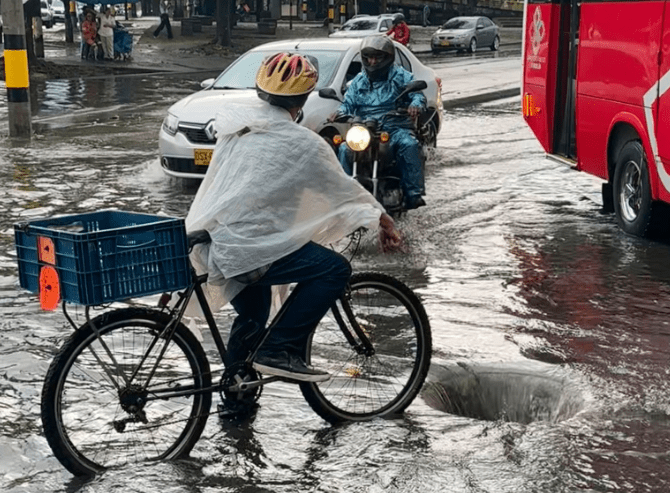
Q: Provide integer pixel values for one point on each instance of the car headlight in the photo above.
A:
(171, 124)
(358, 138)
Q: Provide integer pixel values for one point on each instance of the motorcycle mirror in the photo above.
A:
(414, 86)
(328, 93)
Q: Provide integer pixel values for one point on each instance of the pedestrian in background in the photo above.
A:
(106, 32)
(166, 12)
(400, 30)
(426, 15)
(89, 31)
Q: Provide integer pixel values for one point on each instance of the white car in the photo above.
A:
(186, 138)
(47, 14)
(364, 25)
(59, 11)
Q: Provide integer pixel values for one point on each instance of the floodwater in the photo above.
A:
(550, 326)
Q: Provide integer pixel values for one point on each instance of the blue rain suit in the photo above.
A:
(373, 99)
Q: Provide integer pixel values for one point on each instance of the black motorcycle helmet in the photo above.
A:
(380, 47)
(398, 18)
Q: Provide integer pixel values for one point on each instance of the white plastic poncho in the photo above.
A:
(272, 187)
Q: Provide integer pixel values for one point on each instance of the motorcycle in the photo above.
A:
(374, 165)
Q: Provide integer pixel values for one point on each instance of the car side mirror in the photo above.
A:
(479, 28)
(329, 93)
(207, 83)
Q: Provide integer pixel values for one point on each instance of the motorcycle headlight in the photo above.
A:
(358, 138)
(171, 124)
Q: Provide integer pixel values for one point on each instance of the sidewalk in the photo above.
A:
(466, 81)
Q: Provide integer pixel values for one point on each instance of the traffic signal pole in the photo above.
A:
(331, 15)
(16, 69)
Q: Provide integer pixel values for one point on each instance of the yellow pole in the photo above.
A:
(17, 79)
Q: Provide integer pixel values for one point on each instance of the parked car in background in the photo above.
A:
(186, 138)
(466, 33)
(364, 25)
(47, 14)
(59, 11)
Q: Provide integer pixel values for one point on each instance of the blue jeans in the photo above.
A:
(407, 151)
(321, 276)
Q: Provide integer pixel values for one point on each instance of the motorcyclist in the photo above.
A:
(372, 94)
(273, 194)
(399, 30)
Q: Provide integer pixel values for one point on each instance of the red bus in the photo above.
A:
(596, 75)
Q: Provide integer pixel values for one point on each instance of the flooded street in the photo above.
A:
(550, 327)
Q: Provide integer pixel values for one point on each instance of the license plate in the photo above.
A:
(202, 157)
(445, 43)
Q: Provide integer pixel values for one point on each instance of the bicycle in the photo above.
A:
(134, 384)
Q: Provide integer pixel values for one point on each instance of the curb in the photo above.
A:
(430, 51)
(484, 97)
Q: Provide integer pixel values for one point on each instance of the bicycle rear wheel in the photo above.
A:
(374, 383)
(94, 417)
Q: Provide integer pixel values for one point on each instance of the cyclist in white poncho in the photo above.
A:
(273, 194)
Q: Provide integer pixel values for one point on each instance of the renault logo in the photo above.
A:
(210, 131)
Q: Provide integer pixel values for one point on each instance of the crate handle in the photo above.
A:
(137, 246)
(136, 240)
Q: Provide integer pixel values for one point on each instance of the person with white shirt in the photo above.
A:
(106, 32)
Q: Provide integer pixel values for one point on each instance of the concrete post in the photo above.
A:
(17, 79)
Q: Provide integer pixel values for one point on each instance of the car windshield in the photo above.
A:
(360, 25)
(242, 73)
(459, 24)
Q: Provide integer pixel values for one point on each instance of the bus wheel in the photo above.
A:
(632, 193)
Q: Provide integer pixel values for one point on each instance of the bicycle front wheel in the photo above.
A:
(376, 345)
(105, 405)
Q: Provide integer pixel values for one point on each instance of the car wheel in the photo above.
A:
(632, 191)
(496, 44)
(473, 45)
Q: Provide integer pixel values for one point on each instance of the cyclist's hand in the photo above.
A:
(333, 116)
(389, 237)
(413, 111)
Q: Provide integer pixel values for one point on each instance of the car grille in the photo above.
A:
(196, 134)
(182, 165)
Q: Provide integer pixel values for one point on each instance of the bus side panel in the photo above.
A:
(662, 123)
(617, 64)
(539, 70)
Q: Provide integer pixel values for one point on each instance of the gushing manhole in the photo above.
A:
(502, 392)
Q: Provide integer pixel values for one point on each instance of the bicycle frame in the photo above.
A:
(358, 340)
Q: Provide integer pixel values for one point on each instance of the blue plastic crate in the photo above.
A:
(107, 256)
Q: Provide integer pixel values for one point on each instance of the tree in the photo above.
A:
(224, 12)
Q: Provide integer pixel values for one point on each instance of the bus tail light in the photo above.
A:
(529, 108)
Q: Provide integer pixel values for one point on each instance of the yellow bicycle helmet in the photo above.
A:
(286, 74)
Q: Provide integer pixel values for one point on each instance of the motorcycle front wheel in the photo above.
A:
(382, 314)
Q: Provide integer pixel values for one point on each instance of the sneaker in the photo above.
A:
(415, 202)
(283, 364)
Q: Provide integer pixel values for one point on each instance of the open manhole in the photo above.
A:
(502, 392)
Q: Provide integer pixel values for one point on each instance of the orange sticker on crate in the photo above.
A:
(49, 288)
(46, 251)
